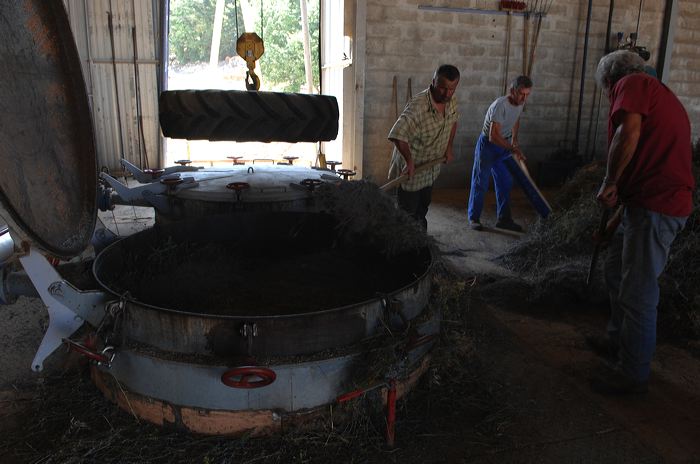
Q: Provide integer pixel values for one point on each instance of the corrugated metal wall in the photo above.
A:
(111, 77)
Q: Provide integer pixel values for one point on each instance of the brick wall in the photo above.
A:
(405, 41)
(685, 61)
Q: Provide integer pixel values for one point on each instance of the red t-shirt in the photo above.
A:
(659, 176)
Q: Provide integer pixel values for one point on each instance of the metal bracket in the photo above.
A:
(55, 293)
(88, 305)
(131, 194)
(146, 178)
(159, 202)
(153, 193)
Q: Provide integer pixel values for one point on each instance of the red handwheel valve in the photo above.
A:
(248, 377)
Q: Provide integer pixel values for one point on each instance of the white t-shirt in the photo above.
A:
(505, 114)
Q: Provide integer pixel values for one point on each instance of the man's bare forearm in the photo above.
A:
(453, 131)
(514, 137)
(404, 149)
(496, 138)
(622, 147)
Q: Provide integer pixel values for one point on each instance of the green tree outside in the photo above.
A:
(282, 64)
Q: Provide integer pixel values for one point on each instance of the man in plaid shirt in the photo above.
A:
(424, 132)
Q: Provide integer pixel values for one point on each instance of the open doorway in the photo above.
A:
(202, 55)
(336, 55)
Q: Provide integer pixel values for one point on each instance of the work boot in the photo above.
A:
(603, 347)
(610, 380)
(508, 224)
(474, 224)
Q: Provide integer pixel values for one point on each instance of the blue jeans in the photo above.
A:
(488, 161)
(635, 259)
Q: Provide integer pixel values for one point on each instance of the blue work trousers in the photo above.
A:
(488, 161)
(635, 259)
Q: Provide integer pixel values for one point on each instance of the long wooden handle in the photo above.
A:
(523, 166)
(403, 177)
(596, 251)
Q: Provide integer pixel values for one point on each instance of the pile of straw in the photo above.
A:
(554, 257)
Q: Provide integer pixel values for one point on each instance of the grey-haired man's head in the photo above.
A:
(616, 65)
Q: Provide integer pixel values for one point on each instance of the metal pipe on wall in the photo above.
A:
(663, 64)
(608, 31)
(110, 24)
(583, 74)
(590, 154)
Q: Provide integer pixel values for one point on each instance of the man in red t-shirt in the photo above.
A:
(649, 174)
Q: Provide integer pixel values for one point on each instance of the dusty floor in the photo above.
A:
(548, 365)
(528, 394)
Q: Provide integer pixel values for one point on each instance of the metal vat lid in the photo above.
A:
(48, 173)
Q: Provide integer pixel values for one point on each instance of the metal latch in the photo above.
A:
(248, 331)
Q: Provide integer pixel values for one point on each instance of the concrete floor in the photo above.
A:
(543, 359)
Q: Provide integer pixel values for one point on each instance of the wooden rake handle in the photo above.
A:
(394, 182)
(604, 217)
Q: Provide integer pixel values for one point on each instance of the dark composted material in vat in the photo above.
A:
(302, 271)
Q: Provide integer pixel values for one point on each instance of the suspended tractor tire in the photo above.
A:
(248, 116)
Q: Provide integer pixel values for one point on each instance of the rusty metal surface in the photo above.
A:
(47, 155)
(220, 335)
(254, 422)
(299, 386)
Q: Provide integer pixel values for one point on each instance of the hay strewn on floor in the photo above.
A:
(554, 257)
(65, 419)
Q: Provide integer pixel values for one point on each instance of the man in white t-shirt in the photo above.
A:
(498, 141)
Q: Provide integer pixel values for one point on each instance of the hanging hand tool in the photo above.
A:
(507, 53)
(526, 36)
(143, 155)
(110, 25)
(394, 98)
(533, 44)
(250, 47)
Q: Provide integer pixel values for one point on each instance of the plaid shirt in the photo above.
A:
(427, 133)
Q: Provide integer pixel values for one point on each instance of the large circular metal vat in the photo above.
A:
(282, 298)
(189, 287)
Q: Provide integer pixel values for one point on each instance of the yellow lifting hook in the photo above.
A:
(250, 47)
